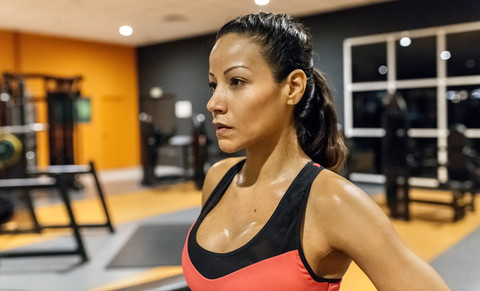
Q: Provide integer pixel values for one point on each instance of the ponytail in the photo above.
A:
(316, 122)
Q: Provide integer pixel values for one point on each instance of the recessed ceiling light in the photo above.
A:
(126, 30)
(262, 2)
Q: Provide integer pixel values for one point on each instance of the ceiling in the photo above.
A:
(153, 21)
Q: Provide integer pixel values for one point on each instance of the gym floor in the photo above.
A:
(452, 248)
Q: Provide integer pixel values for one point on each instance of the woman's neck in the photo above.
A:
(272, 160)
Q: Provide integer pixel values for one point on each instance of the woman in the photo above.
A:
(281, 218)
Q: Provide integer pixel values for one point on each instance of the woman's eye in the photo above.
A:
(212, 86)
(236, 82)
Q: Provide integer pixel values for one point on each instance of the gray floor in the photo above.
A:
(460, 265)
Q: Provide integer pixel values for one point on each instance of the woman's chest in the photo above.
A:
(235, 220)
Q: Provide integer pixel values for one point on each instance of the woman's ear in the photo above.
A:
(296, 83)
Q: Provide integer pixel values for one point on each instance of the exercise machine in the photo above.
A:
(158, 132)
(395, 152)
(399, 161)
(19, 171)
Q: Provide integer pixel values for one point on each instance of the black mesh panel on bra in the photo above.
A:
(278, 236)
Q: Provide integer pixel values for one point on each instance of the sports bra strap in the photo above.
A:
(221, 187)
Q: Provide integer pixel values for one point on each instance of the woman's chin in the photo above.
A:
(228, 148)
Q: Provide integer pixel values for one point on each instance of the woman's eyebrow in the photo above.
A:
(230, 69)
(235, 67)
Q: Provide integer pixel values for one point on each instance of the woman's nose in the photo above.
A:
(216, 104)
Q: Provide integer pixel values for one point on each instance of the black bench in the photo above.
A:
(458, 202)
(54, 177)
(27, 184)
(67, 171)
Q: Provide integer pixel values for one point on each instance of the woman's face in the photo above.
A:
(249, 108)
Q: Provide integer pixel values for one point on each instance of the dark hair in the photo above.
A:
(286, 45)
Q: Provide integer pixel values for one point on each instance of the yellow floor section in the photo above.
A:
(429, 233)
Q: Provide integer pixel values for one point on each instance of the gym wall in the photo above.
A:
(331, 29)
(109, 73)
(182, 66)
(7, 62)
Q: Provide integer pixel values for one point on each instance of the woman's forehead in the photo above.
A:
(234, 48)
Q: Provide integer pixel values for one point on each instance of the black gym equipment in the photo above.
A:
(200, 144)
(398, 162)
(11, 149)
(158, 131)
(394, 155)
(6, 210)
(18, 118)
(27, 184)
(151, 139)
(193, 149)
(462, 180)
(462, 165)
(19, 172)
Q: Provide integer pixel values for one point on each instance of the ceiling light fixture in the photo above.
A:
(126, 30)
(262, 2)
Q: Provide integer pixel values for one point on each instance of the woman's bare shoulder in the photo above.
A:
(351, 222)
(343, 205)
(215, 174)
(331, 188)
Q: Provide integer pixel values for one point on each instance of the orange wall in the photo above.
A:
(7, 51)
(109, 74)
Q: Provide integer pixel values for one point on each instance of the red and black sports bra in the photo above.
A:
(272, 260)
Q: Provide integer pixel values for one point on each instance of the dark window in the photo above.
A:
(417, 60)
(368, 108)
(465, 54)
(422, 107)
(369, 62)
(475, 143)
(464, 105)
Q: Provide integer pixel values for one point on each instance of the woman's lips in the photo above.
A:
(221, 128)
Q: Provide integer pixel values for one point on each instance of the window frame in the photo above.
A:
(441, 82)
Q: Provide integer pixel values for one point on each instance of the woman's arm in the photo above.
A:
(355, 225)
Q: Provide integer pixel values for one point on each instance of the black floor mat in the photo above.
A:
(153, 245)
